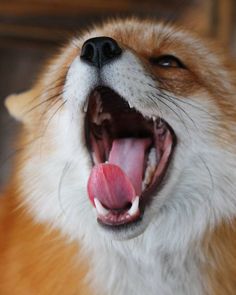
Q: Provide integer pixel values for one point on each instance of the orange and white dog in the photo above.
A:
(125, 176)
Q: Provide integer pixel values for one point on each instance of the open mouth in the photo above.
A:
(130, 155)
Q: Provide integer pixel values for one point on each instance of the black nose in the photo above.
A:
(100, 51)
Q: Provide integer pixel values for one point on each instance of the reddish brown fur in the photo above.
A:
(219, 248)
(34, 261)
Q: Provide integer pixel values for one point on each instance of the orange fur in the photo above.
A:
(219, 248)
(35, 261)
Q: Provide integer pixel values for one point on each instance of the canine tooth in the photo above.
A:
(85, 107)
(130, 105)
(135, 206)
(160, 123)
(100, 209)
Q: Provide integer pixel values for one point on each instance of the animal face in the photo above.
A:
(126, 132)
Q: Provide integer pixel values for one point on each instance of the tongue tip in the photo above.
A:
(111, 186)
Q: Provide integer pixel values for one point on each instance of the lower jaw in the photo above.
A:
(146, 199)
(137, 225)
(126, 231)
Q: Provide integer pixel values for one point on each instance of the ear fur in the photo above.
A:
(19, 105)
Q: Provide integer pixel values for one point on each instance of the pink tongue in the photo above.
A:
(116, 183)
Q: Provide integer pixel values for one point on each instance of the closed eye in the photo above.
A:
(167, 61)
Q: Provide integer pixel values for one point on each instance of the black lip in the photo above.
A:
(149, 194)
(121, 227)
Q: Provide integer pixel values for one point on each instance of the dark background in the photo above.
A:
(31, 31)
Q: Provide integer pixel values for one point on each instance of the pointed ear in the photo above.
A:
(18, 105)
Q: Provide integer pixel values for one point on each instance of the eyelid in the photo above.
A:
(156, 61)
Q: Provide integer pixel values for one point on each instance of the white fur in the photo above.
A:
(162, 256)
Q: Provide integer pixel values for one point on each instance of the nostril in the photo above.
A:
(109, 50)
(88, 52)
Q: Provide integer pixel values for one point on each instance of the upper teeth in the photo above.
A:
(99, 116)
(98, 119)
(130, 105)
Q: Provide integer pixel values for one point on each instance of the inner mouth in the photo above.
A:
(130, 155)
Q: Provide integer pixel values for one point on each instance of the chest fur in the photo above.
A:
(155, 273)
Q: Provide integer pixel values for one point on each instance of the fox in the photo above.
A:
(124, 178)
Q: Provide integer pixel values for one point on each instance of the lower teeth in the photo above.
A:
(135, 206)
(151, 167)
(134, 209)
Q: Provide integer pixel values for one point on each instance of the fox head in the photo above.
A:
(129, 134)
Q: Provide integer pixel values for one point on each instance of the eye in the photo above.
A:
(167, 61)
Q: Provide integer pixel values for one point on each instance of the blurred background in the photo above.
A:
(32, 30)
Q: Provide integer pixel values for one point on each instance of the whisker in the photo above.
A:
(172, 100)
(209, 172)
(18, 150)
(182, 100)
(56, 111)
(43, 102)
(155, 102)
(158, 98)
(62, 177)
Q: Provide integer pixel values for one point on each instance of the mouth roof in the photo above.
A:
(130, 155)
